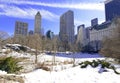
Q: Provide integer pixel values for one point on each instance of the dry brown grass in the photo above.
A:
(23, 59)
(11, 79)
(8, 51)
(3, 57)
(67, 62)
(43, 66)
(47, 66)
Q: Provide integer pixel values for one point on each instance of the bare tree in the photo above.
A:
(73, 49)
(111, 45)
(37, 45)
(43, 42)
(54, 48)
(3, 36)
(20, 39)
(48, 45)
(34, 41)
(64, 43)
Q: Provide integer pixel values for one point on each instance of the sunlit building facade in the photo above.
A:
(37, 28)
(67, 27)
(21, 28)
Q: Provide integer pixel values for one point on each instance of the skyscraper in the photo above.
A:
(37, 28)
(80, 27)
(83, 35)
(67, 26)
(94, 22)
(31, 32)
(112, 9)
(21, 28)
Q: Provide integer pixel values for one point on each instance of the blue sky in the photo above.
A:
(51, 10)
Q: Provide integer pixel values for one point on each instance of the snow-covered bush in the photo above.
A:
(94, 63)
(97, 63)
(85, 64)
(104, 64)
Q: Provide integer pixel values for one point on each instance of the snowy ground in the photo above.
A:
(67, 73)
(73, 74)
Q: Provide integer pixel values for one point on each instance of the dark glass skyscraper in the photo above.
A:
(112, 9)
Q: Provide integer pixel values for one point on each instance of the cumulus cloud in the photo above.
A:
(29, 13)
(85, 6)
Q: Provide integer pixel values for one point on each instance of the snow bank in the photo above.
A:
(67, 73)
(16, 54)
(2, 72)
(72, 75)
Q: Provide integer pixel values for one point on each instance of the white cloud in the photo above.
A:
(29, 13)
(1, 5)
(85, 6)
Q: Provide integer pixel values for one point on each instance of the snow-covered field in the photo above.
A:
(72, 74)
(66, 73)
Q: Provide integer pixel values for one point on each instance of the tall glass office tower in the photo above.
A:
(112, 9)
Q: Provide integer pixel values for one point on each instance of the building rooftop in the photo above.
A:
(64, 14)
(107, 1)
(38, 13)
(101, 26)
